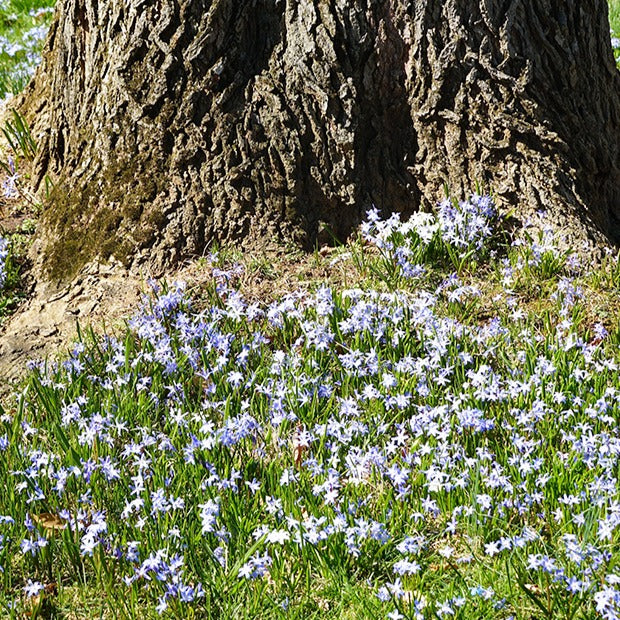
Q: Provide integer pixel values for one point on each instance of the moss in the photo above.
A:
(107, 215)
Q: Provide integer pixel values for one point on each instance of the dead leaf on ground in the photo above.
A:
(49, 521)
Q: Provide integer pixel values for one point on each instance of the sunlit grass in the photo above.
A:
(436, 442)
(614, 15)
(23, 27)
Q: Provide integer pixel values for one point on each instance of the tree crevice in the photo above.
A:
(269, 118)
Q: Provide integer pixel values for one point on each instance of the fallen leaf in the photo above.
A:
(49, 521)
(298, 448)
(533, 588)
(51, 589)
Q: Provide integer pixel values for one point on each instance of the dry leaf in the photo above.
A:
(33, 606)
(51, 589)
(533, 588)
(49, 521)
(298, 448)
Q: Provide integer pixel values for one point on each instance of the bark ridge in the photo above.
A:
(168, 124)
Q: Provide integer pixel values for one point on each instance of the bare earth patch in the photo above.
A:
(46, 324)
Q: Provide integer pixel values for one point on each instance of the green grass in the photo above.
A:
(23, 24)
(237, 428)
(19, 201)
(614, 15)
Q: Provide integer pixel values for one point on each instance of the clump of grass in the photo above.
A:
(10, 282)
(455, 236)
(414, 445)
(17, 133)
(23, 147)
(13, 246)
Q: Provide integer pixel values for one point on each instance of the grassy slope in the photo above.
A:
(508, 362)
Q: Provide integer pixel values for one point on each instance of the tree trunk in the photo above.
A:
(167, 124)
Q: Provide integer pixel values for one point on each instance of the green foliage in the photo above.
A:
(614, 15)
(17, 133)
(13, 246)
(23, 27)
(11, 291)
(614, 21)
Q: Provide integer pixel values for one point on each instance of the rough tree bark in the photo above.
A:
(167, 124)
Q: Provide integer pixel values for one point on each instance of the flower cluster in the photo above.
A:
(9, 184)
(467, 224)
(457, 232)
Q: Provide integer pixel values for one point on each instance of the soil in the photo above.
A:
(45, 325)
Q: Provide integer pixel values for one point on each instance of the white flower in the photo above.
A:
(423, 224)
(278, 536)
(446, 552)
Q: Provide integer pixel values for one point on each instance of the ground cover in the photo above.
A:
(614, 18)
(440, 439)
(424, 425)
